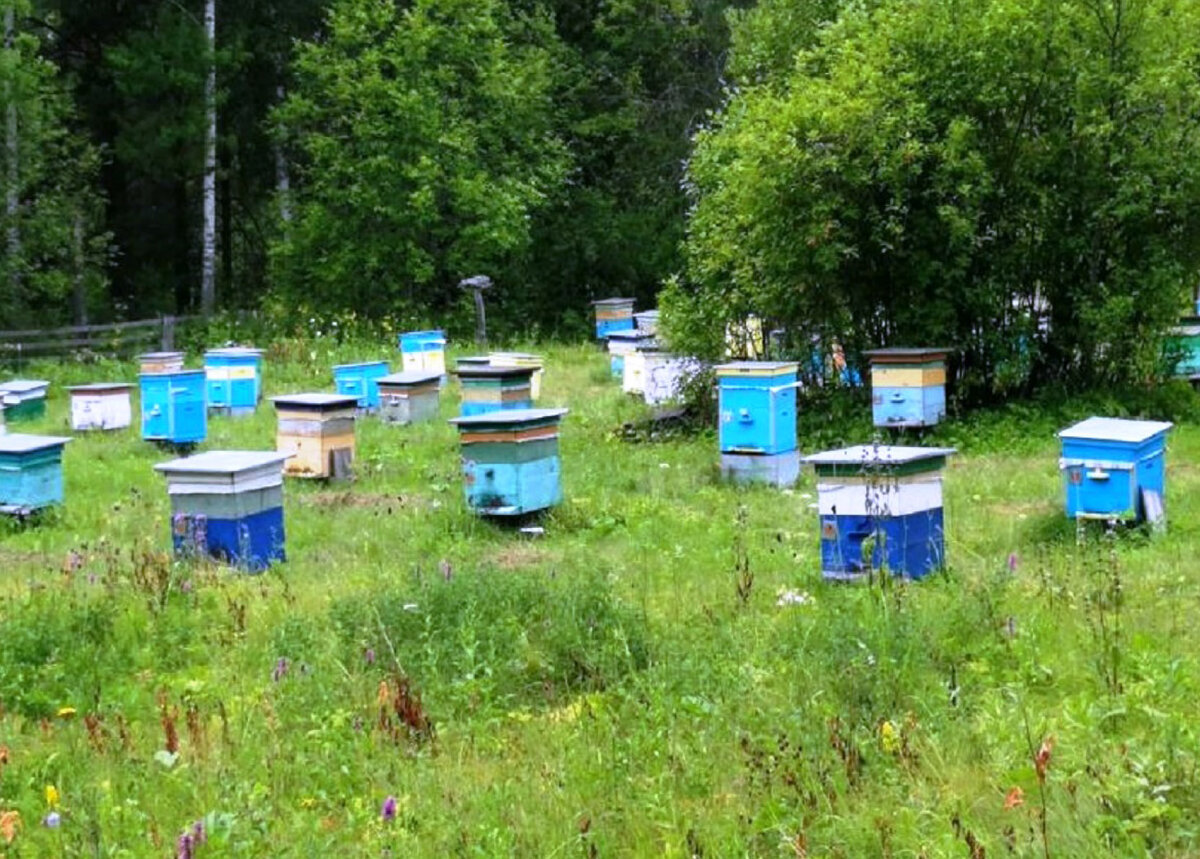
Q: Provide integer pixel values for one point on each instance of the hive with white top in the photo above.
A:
(1114, 468)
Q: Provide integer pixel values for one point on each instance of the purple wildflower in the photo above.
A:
(281, 669)
(369, 656)
(1012, 562)
(52, 820)
(184, 848)
(199, 836)
(388, 812)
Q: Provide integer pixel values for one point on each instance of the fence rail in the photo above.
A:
(116, 339)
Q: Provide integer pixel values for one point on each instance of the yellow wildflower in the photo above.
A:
(66, 712)
(887, 738)
(51, 796)
(308, 802)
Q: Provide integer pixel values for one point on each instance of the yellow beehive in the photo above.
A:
(317, 430)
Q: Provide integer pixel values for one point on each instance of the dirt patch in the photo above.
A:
(335, 498)
(516, 556)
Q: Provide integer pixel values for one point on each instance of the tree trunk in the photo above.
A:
(208, 261)
(283, 180)
(12, 191)
(80, 292)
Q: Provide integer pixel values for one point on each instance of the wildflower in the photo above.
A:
(52, 820)
(1012, 562)
(388, 812)
(10, 825)
(369, 656)
(281, 669)
(787, 597)
(887, 737)
(185, 586)
(199, 835)
(308, 802)
(52, 796)
(66, 712)
(1013, 798)
(184, 848)
(1041, 761)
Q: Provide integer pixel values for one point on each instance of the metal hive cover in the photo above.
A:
(359, 364)
(751, 368)
(24, 443)
(878, 455)
(409, 377)
(233, 352)
(223, 462)
(1115, 429)
(100, 386)
(317, 400)
(613, 301)
(507, 417)
(22, 386)
(487, 370)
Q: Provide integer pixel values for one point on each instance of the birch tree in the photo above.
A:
(208, 250)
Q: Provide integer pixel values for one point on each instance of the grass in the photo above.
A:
(625, 685)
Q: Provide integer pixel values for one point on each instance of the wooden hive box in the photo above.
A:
(101, 406)
(613, 314)
(24, 399)
(410, 397)
(880, 507)
(757, 421)
(664, 375)
(621, 344)
(173, 407)
(1184, 342)
(423, 351)
(30, 472)
(908, 386)
(510, 461)
(228, 505)
(317, 432)
(522, 359)
(1114, 468)
(646, 321)
(489, 389)
(361, 380)
(160, 362)
(234, 379)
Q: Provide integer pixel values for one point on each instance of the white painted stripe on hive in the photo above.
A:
(857, 499)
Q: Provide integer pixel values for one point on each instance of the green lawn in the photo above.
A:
(602, 690)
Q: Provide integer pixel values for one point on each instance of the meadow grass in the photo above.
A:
(626, 684)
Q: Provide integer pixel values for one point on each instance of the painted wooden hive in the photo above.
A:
(1114, 468)
(423, 351)
(173, 407)
(30, 472)
(646, 321)
(880, 508)
(522, 359)
(160, 362)
(491, 389)
(317, 432)
(24, 399)
(621, 344)
(510, 461)
(228, 505)
(613, 314)
(234, 375)
(663, 376)
(411, 397)
(101, 406)
(757, 421)
(1184, 344)
(908, 386)
(361, 381)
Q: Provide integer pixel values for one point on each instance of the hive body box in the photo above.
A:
(410, 397)
(510, 461)
(234, 377)
(24, 399)
(881, 507)
(489, 389)
(160, 362)
(757, 421)
(313, 429)
(30, 472)
(613, 314)
(228, 505)
(173, 408)
(1185, 341)
(361, 381)
(1113, 468)
(102, 406)
(622, 344)
(646, 321)
(908, 387)
(663, 375)
(423, 351)
(522, 359)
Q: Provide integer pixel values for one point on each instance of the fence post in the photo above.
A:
(168, 333)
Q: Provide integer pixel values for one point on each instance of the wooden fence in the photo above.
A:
(117, 339)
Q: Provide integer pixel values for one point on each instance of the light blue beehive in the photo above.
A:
(613, 314)
(1114, 468)
(173, 407)
(30, 472)
(488, 388)
(757, 421)
(234, 378)
(880, 507)
(423, 351)
(908, 386)
(510, 461)
(361, 380)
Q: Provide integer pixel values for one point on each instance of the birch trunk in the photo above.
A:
(80, 296)
(208, 262)
(12, 147)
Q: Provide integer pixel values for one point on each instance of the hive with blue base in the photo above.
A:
(173, 407)
(423, 351)
(228, 505)
(234, 379)
(30, 472)
(908, 387)
(24, 399)
(622, 344)
(361, 380)
(317, 432)
(757, 421)
(613, 314)
(411, 397)
(100, 406)
(510, 461)
(1114, 468)
(880, 508)
(489, 388)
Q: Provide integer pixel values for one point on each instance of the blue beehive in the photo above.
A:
(908, 386)
(234, 377)
(30, 472)
(880, 508)
(362, 381)
(1114, 468)
(423, 351)
(488, 388)
(228, 505)
(173, 407)
(757, 421)
(510, 460)
(613, 314)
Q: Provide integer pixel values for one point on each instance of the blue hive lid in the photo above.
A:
(876, 456)
(23, 443)
(409, 377)
(1115, 429)
(509, 417)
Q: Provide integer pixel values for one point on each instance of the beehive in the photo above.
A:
(423, 351)
(361, 381)
(234, 378)
(30, 472)
(757, 421)
(24, 399)
(489, 389)
(613, 314)
(317, 432)
(522, 359)
(410, 397)
(510, 460)
(622, 344)
(160, 362)
(646, 321)
(1184, 341)
(663, 376)
(101, 406)
(1114, 468)
(908, 387)
(228, 505)
(173, 407)
(880, 507)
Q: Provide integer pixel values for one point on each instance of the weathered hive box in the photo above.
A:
(24, 399)
(474, 361)
(410, 397)
(622, 344)
(102, 406)
(663, 376)
(317, 432)
(880, 508)
(908, 386)
(160, 362)
(646, 321)
(510, 460)
(1184, 340)
(234, 375)
(1114, 468)
(522, 359)
(361, 381)
(491, 389)
(228, 505)
(423, 351)
(757, 421)
(613, 314)
(30, 472)
(173, 408)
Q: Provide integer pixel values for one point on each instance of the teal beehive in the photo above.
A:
(24, 399)
(234, 379)
(173, 407)
(489, 388)
(30, 472)
(361, 380)
(510, 461)
(613, 314)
